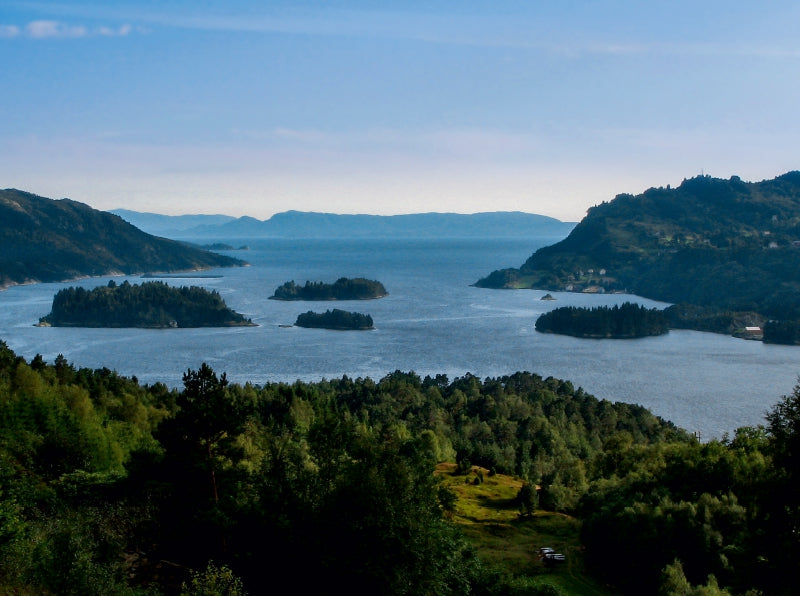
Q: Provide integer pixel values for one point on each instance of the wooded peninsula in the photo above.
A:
(726, 252)
(152, 304)
(46, 240)
(342, 289)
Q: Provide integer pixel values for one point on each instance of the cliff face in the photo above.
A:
(723, 243)
(46, 240)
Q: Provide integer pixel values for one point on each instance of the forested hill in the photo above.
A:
(727, 244)
(46, 240)
(111, 488)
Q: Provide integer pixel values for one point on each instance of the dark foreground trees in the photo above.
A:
(724, 514)
(109, 487)
(267, 480)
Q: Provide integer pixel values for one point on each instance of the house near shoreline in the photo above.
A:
(754, 333)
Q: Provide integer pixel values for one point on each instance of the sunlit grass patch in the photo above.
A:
(509, 543)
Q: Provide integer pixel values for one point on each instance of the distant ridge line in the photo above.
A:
(314, 224)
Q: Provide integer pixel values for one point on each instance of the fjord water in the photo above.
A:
(432, 322)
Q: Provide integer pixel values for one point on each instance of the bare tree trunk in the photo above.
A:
(214, 491)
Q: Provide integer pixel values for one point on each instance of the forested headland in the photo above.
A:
(335, 319)
(46, 240)
(111, 487)
(782, 332)
(152, 304)
(342, 289)
(728, 247)
(627, 320)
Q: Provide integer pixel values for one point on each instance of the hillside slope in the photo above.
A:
(46, 240)
(726, 244)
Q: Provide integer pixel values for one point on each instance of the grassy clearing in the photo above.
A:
(509, 543)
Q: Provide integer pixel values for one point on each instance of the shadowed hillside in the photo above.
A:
(725, 244)
(46, 240)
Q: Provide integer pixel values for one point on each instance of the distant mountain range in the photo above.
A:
(47, 240)
(723, 244)
(169, 225)
(297, 224)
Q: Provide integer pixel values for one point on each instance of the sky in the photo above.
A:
(346, 106)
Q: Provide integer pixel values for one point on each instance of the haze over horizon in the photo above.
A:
(386, 108)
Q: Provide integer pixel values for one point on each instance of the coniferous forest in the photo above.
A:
(151, 304)
(108, 486)
(627, 320)
(342, 289)
(335, 319)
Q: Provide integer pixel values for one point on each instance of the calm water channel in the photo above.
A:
(432, 322)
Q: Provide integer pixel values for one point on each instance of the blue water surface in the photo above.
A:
(432, 322)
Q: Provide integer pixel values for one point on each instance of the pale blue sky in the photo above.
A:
(251, 108)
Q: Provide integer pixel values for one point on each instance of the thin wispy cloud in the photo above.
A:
(46, 29)
(120, 31)
(368, 106)
(427, 27)
(51, 29)
(8, 31)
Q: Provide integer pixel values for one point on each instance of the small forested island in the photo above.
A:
(342, 289)
(335, 319)
(152, 304)
(623, 321)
